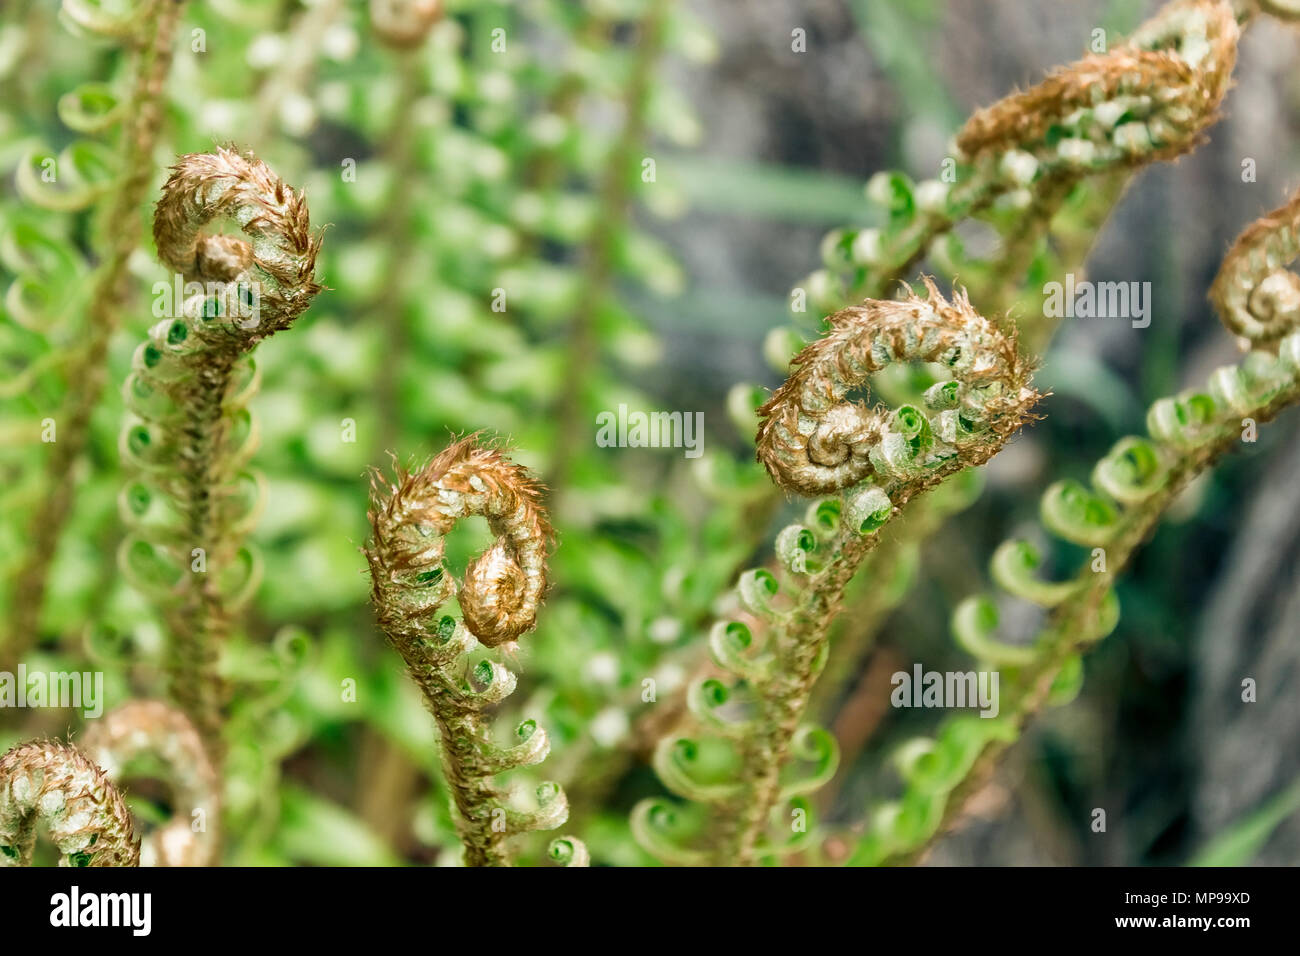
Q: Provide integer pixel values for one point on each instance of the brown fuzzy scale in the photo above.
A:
(814, 442)
(503, 587)
(281, 256)
(86, 816)
(1185, 96)
(1256, 295)
(149, 735)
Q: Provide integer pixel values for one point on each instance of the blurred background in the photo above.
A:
(521, 170)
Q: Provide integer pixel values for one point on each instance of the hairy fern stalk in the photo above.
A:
(814, 440)
(190, 435)
(499, 600)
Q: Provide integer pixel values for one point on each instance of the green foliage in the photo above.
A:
(493, 179)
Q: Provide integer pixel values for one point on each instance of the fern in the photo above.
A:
(496, 177)
(149, 737)
(151, 31)
(189, 434)
(813, 440)
(499, 599)
(1132, 488)
(88, 821)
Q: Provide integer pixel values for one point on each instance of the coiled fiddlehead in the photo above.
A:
(1009, 169)
(499, 600)
(150, 26)
(812, 439)
(1131, 489)
(1148, 99)
(1256, 295)
(189, 433)
(568, 851)
(151, 737)
(87, 819)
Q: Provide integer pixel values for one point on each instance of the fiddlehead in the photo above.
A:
(87, 818)
(499, 601)
(1256, 295)
(812, 439)
(1017, 162)
(189, 434)
(1117, 110)
(1131, 489)
(568, 851)
(152, 737)
(1108, 110)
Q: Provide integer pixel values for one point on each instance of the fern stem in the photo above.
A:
(1076, 624)
(188, 434)
(87, 370)
(499, 599)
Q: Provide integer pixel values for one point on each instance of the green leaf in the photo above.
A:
(1241, 842)
(317, 831)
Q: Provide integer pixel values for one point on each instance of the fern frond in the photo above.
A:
(499, 600)
(151, 26)
(86, 816)
(189, 434)
(153, 738)
(1131, 490)
(814, 440)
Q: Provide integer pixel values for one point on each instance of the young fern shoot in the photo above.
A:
(153, 738)
(1044, 166)
(815, 441)
(87, 818)
(1015, 163)
(189, 433)
(499, 600)
(1258, 298)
